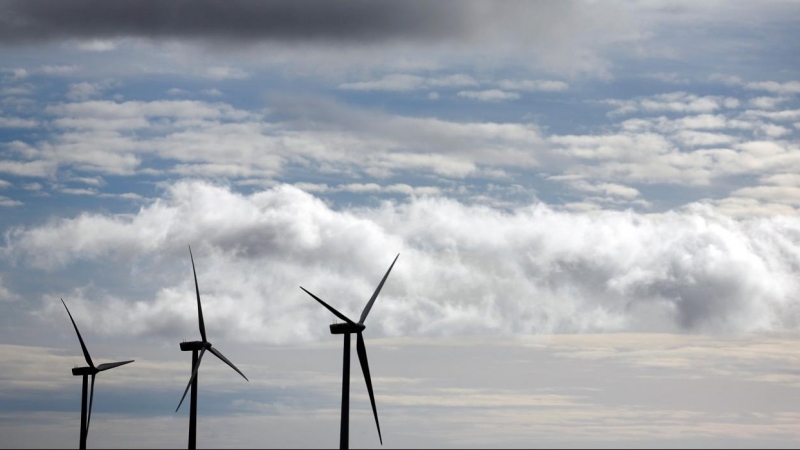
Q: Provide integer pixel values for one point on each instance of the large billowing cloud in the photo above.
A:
(462, 270)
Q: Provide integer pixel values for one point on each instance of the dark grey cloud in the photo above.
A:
(245, 20)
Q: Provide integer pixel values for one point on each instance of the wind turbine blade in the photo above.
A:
(330, 308)
(375, 295)
(219, 355)
(108, 366)
(83, 346)
(194, 374)
(362, 358)
(199, 307)
(91, 400)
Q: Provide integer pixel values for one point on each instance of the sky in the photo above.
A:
(596, 207)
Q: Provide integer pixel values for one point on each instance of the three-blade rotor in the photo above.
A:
(205, 344)
(95, 370)
(361, 349)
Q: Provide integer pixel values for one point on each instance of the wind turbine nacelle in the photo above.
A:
(344, 328)
(194, 345)
(80, 371)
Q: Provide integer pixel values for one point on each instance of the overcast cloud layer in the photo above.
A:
(237, 19)
(301, 20)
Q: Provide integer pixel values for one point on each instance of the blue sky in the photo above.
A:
(583, 173)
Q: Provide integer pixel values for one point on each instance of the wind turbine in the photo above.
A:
(86, 372)
(347, 329)
(195, 347)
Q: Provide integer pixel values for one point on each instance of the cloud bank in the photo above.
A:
(462, 270)
(564, 35)
(247, 20)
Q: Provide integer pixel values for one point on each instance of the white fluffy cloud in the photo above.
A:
(462, 269)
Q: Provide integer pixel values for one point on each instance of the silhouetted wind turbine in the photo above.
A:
(346, 329)
(194, 347)
(86, 372)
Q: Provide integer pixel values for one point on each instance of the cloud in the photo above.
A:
(22, 90)
(215, 139)
(28, 168)
(16, 122)
(787, 88)
(6, 295)
(246, 20)
(690, 138)
(778, 116)
(774, 87)
(16, 74)
(85, 90)
(77, 191)
(395, 82)
(226, 73)
(784, 179)
(91, 181)
(361, 188)
(611, 189)
(675, 102)
(407, 82)
(177, 91)
(462, 269)
(7, 202)
(533, 85)
(566, 36)
(491, 95)
(667, 77)
(97, 45)
(240, 20)
(775, 194)
(32, 186)
(60, 70)
(766, 102)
